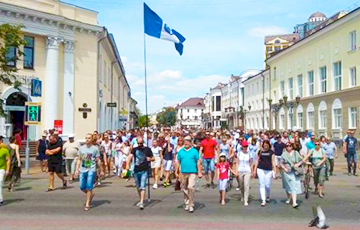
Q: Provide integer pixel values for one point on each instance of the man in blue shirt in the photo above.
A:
(349, 150)
(190, 164)
(331, 152)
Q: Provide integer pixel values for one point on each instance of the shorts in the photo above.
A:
(209, 165)
(140, 179)
(277, 160)
(86, 180)
(222, 184)
(167, 165)
(156, 163)
(55, 167)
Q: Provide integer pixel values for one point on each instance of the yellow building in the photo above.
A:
(276, 43)
(79, 66)
(322, 70)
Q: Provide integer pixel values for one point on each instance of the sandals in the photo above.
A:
(49, 190)
(86, 208)
(65, 184)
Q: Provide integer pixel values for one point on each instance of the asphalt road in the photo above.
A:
(29, 207)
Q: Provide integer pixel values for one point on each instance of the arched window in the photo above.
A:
(310, 116)
(322, 115)
(282, 118)
(300, 117)
(337, 114)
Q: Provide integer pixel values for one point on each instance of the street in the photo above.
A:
(114, 207)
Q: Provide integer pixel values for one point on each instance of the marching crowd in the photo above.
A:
(186, 156)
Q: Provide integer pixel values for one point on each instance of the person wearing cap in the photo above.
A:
(70, 152)
(208, 150)
(41, 148)
(222, 168)
(190, 164)
(245, 171)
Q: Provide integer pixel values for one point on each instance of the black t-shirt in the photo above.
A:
(56, 158)
(279, 147)
(265, 160)
(140, 154)
(168, 155)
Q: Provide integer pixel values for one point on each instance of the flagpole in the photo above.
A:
(146, 111)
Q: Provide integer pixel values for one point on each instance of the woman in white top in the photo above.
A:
(118, 156)
(245, 171)
(107, 145)
(155, 165)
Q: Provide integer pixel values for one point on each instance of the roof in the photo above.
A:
(193, 102)
(288, 37)
(260, 73)
(317, 15)
(219, 86)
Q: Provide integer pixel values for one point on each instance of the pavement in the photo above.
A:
(114, 207)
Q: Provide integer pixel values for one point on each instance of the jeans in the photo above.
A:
(70, 166)
(209, 165)
(140, 179)
(188, 187)
(245, 178)
(353, 156)
(329, 167)
(2, 177)
(86, 180)
(265, 177)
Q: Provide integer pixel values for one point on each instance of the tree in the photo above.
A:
(142, 121)
(10, 38)
(167, 117)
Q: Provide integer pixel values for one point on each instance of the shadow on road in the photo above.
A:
(10, 201)
(197, 206)
(97, 203)
(23, 189)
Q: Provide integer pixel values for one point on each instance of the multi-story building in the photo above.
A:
(276, 43)
(79, 66)
(314, 20)
(215, 111)
(190, 113)
(256, 104)
(319, 75)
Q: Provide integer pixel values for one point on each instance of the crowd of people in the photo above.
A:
(182, 157)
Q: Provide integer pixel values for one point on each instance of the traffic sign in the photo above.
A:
(33, 113)
(112, 104)
(36, 88)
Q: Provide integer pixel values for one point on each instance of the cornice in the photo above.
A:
(41, 18)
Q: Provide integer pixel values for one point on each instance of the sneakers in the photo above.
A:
(268, 199)
(223, 202)
(141, 206)
(1, 203)
(187, 207)
(246, 203)
(288, 201)
(191, 209)
(155, 186)
(166, 184)
(238, 189)
(263, 204)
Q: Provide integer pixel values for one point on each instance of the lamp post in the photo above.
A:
(270, 118)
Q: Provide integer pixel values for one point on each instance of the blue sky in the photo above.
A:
(223, 37)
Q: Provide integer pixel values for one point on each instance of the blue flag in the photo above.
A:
(155, 27)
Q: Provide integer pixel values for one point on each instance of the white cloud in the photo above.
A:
(262, 31)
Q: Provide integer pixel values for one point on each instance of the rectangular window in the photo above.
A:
(352, 117)
(195, 110)
(196, 117)
(322, 119)
(300, 85)
(282, 88)
(291, 88)
(213, 104)
(311, 82)
(311, 120)
(277, 48)
(337, 118)
(352, 73)
(218, 103)
(29, 53)
(269, 49)
(188, 110)
(300, 120)
(352, 40)
(11, 56)
(323, 79)
(337, 76)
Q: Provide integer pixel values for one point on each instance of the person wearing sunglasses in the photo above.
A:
(290, 161)
(318, 160)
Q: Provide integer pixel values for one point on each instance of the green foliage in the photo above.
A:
(10, 36)
(167, 117)
(143, 119)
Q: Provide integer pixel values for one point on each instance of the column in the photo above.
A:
(68, 94)
(51, 81)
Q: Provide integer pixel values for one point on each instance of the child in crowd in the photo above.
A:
(223, 168)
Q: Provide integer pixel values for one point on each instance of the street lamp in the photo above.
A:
(249, 107)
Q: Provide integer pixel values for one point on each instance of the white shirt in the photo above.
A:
(156, 151)
(244, 162)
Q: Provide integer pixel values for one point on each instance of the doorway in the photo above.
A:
(15, 106)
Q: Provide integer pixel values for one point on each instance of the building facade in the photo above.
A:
(79, 66)
(322, 71)
(190, 113)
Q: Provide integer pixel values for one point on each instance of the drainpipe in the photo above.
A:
(97, 77)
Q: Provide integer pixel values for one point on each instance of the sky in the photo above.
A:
(223, 37)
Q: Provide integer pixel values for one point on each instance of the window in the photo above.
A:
(311, 82)
(277, 48)
(322, 119)
(323, 79)
(196, 117)
(352, 40)
(352, 72)
(352, 117)
(291, 121)
(29, 53)
(300, 120)
(188, 117)
(188, 110)
(311, 120)
(300, 85)
(337, 76)
(282, 121)
(11, 56)
(337, 118)
(291, 88)
(213, 104)
(282, 88)
(268, 49)
(195, 110)
(218, 103)
(277, 41)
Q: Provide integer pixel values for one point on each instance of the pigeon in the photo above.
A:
(319, 218)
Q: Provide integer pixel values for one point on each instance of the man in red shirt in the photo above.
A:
(207, 152)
